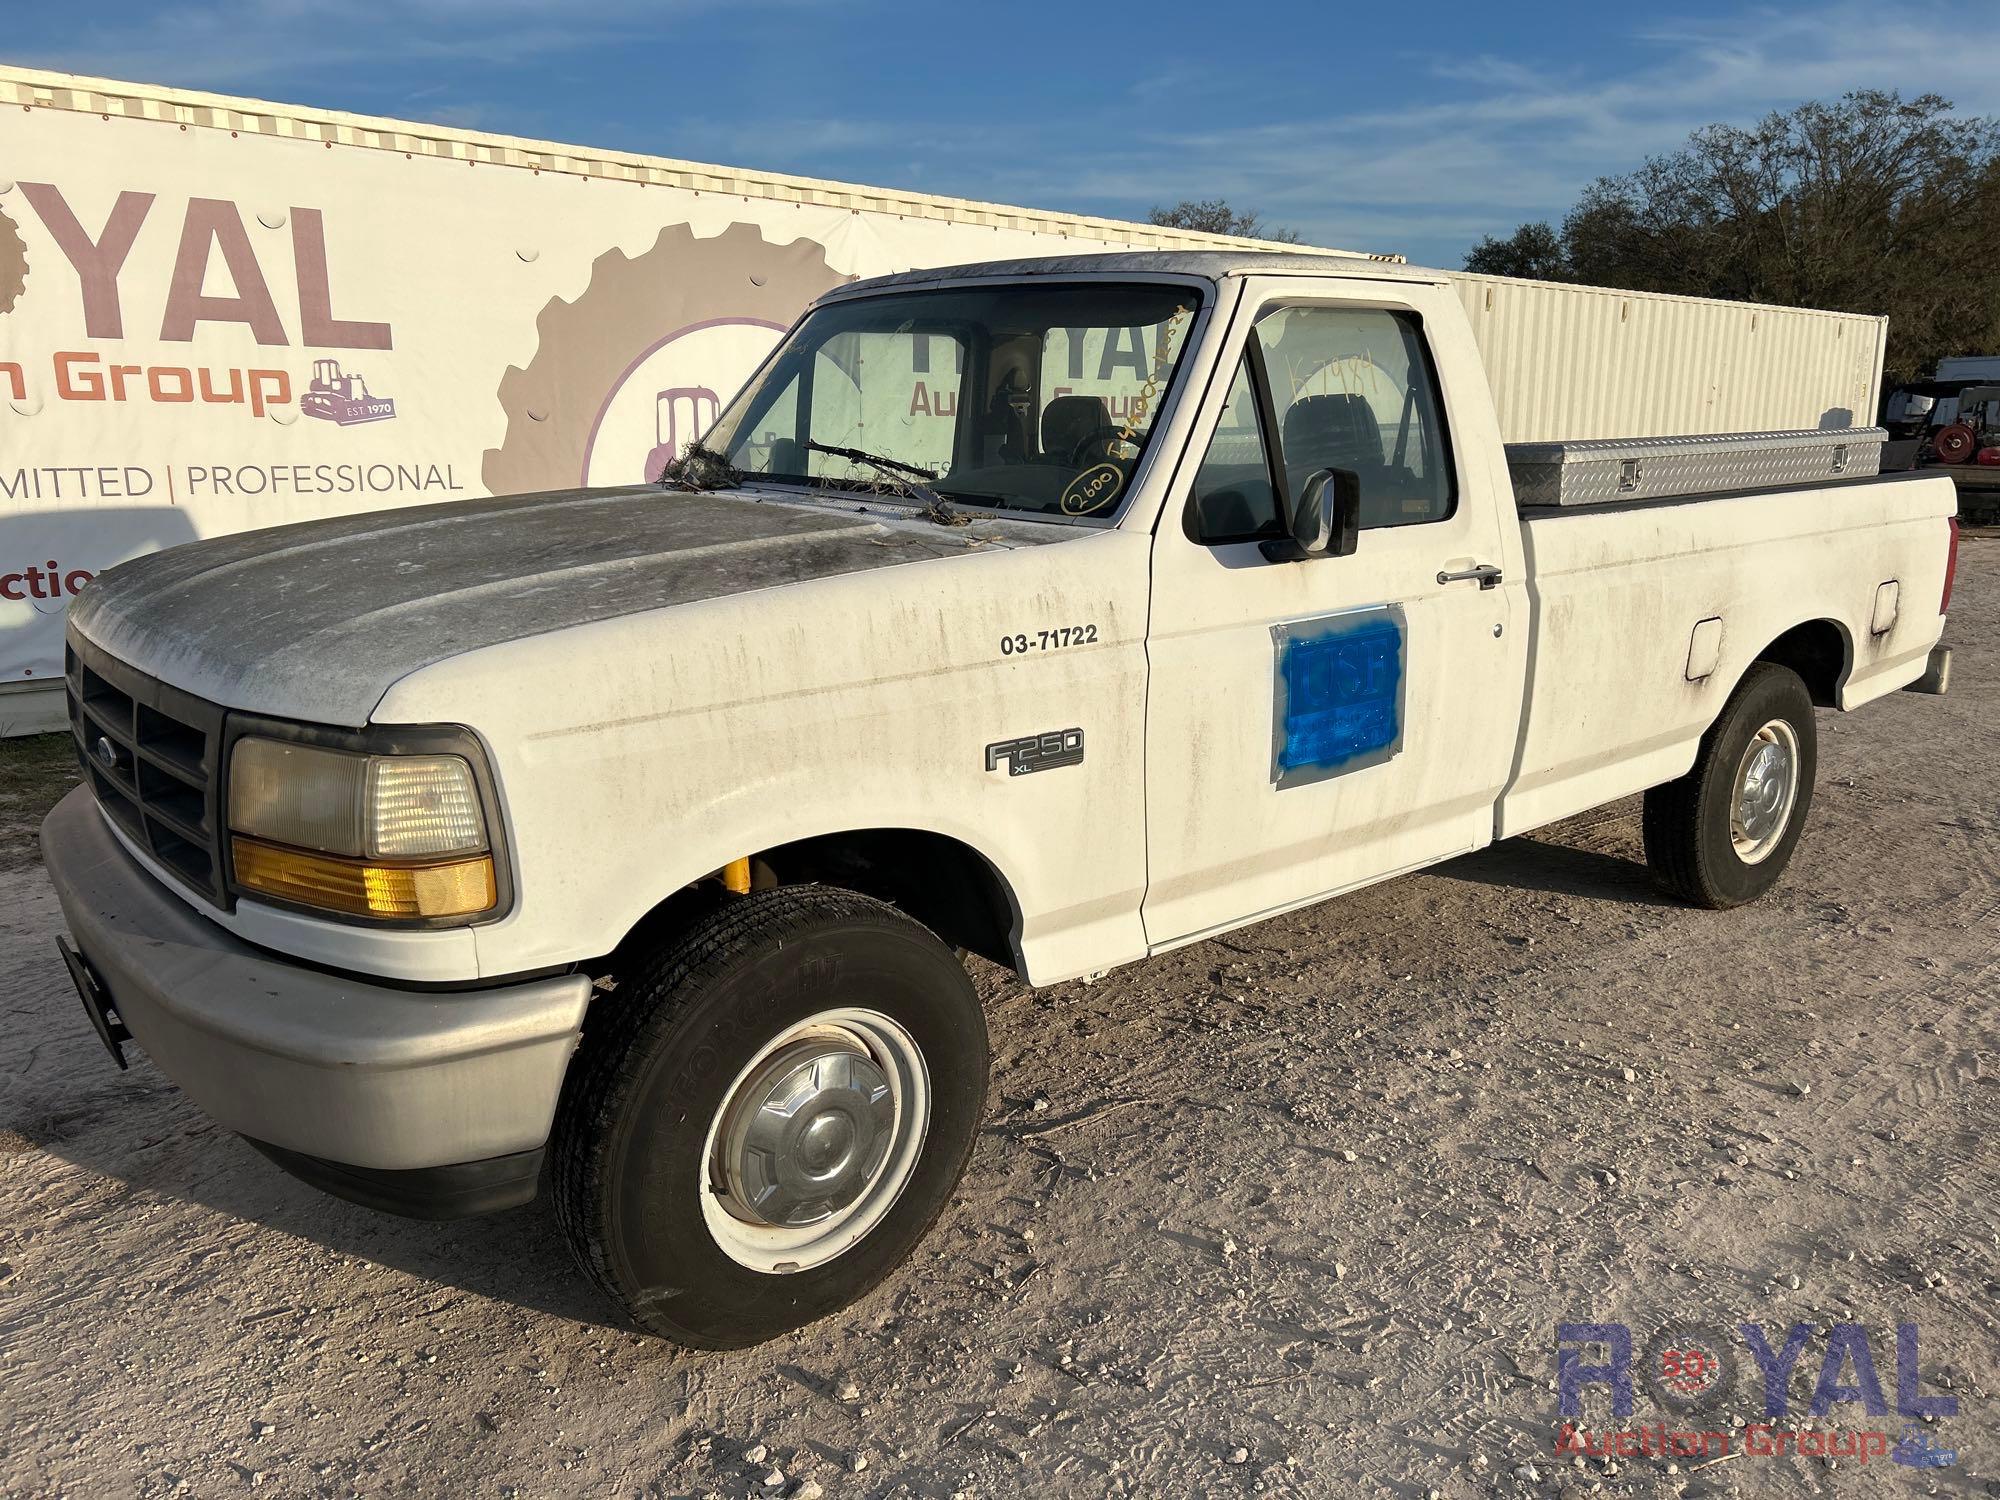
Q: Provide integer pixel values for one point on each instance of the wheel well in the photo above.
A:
(1817, 651)
(946, 885)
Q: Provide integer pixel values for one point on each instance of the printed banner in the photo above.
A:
(202, 333)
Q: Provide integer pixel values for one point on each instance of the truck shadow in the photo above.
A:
(1540, 864)
(143, 1141)
(517, 1257)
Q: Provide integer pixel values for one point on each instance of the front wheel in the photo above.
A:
(765, 1118)
(1723, 833)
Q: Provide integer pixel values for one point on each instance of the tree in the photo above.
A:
(1215, 216)
(1534, 250)
(1872, 204)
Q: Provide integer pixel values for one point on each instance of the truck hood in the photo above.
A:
(317, 621)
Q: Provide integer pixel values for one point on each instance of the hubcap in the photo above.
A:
(807, 1132)
(815, 1141)
(1767, 787)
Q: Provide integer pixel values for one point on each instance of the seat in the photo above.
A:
(1331, 432)
(1068, 422)
(1340, 432)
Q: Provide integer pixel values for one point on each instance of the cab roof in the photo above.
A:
(1210, 265)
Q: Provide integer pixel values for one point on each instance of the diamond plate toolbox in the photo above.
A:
(1613, 469)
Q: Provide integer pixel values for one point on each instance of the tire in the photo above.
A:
(668, 1079)
(1693, 843)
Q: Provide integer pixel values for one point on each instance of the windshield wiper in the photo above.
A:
(936, 507)
(700, 468)
(857, 455)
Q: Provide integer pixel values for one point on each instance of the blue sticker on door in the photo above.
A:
(1339, 694)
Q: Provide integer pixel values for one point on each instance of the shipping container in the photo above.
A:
(1573, 362)
(224, 313)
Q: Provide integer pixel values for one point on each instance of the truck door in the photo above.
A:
(1316, 725)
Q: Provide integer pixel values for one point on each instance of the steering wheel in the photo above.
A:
(1096, 448)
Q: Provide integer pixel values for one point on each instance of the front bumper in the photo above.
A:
(364, 1082)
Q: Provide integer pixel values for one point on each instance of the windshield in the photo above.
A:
(1026, 397)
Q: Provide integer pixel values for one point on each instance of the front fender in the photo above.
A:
(636, 756)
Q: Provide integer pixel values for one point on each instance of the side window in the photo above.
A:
(1353, 389)
(1232, 499)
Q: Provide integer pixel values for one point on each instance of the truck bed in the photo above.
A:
(1617, 592)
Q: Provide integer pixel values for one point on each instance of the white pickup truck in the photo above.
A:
(1061, 611)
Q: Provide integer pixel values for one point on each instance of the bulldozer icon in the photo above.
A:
(335, 395)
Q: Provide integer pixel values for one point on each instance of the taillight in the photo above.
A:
(1950, 569)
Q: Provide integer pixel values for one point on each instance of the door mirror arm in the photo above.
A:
(1326, 521)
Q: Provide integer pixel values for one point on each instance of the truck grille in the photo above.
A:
(150, 755)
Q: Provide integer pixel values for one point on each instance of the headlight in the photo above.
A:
(387, 836)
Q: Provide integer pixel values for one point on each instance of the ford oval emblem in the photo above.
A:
(106, 753)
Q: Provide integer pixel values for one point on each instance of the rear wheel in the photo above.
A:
(1723, 833)
(767, 1115)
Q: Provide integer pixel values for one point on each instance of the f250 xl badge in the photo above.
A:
(1036, 752)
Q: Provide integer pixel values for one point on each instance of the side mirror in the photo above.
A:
(1326, 521)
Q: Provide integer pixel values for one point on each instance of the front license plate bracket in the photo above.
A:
(96, 1002)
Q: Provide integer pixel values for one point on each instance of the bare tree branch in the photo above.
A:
(1214, 216)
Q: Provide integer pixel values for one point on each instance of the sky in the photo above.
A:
(1409, 128)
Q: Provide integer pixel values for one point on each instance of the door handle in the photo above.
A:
(1486, 573)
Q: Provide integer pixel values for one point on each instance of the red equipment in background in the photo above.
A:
(1956, 444)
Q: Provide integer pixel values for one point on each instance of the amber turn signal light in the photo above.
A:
(365, 888)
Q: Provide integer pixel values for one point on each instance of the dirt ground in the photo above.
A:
(1296, 1211)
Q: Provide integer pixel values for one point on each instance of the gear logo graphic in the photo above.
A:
(13, 264)
(641, 362)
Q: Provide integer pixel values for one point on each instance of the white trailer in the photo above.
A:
(1969, 367)
(224, 314)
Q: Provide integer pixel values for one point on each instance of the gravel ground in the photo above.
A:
(1294, 1211)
